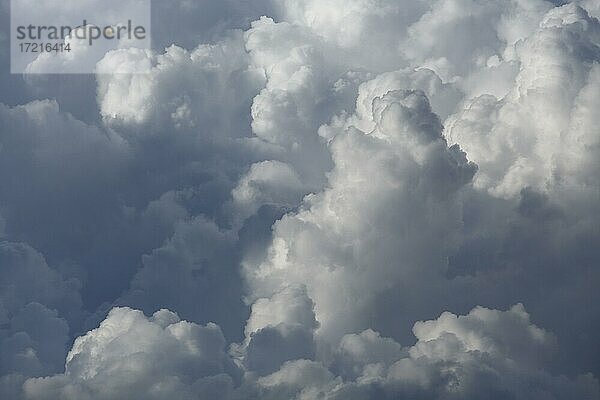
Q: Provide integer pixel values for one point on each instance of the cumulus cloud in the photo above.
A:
(518, 141)
(195, 265)
(35, 304)
(534, 182)
(467, 356)
(138, 357)
(477, 355)
(350, 238)
(285, 322)
(266, 183)
(301, 182)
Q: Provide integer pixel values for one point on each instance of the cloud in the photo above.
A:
(35, 304)
(519, 141)
(266, 183)
(477, 355)
(196, 273)
(300, 188)
(348, 235)
(142, 357)
(453, 37)
(535, 198)
(286, 322)
(26, 278)
(455, 357)
(368, 32)
(35, 343)
(175, 93)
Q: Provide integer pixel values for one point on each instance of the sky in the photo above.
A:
(309, 199)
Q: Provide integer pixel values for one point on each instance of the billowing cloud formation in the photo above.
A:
(301, 182)
(535, 134)
(137, 357)
(348, 236)
(484, 353)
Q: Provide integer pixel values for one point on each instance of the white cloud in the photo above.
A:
(316, 148)
(392, 193)
(286, 322)
(184, 89)
(518, 141)
(266, 183)
(471, 356)
(478, 355)
(133, 356)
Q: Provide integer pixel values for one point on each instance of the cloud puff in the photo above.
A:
(455, 37)
(521, 140)
(138, 357)
(183, 87)
(266, 183)
(285, 322)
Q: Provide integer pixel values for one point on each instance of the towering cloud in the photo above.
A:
(364, 199)
(386, 221)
